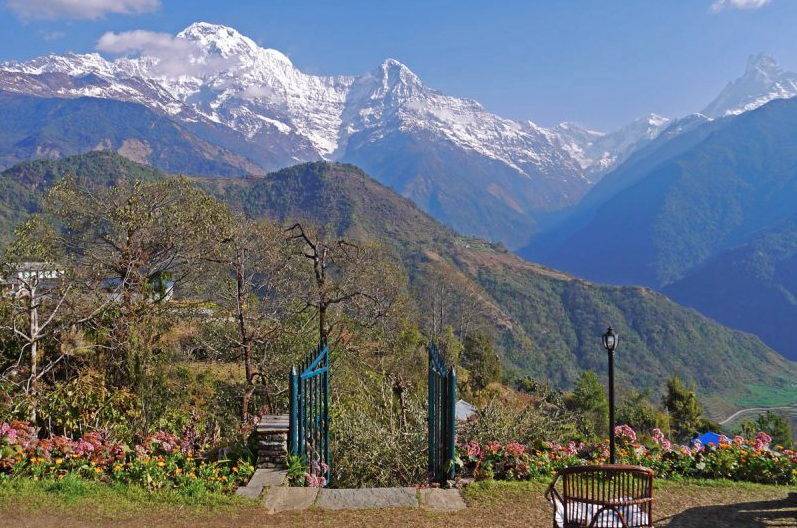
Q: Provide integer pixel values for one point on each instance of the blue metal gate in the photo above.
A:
(308, 432)
(442, 417)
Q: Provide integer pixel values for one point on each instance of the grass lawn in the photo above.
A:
(678, 504)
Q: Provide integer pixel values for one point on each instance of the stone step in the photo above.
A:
(367, 498)
(436, 499)
(260, 479)
(289, 499)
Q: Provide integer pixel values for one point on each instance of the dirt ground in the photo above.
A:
(676, 505)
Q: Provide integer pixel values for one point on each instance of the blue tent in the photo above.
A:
(707, 438)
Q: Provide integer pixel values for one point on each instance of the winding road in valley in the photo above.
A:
(756, 410)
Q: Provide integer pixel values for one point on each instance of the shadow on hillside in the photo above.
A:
(781, 512)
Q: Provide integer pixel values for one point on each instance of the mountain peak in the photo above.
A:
(392, 68)
(763, 63)
(763, 80)
(225, 41)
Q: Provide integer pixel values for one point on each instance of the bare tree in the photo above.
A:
(255, 284)
(358, 279)
(447, 298)
(37, 290)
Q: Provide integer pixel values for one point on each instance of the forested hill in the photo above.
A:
(36, 127)
(547, 324)
(22, 186)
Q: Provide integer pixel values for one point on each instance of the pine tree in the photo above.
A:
(589, 397)
(479, 358)
(686, 413)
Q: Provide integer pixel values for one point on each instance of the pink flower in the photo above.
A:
(514, 449)
(625, 432)
(762, 440)
(492, 448)
(472, 449)
(738, 441)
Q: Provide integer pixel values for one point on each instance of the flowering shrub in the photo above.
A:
(737, 459)
(163, 460)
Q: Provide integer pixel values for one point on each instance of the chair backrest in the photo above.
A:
(607, 496)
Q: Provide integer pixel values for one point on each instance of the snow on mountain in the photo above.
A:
(597, 152)
(228, 79)
(763, 81)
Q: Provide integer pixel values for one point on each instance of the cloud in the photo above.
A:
(79, 9)
(52, 35)
(175, 56)
(719, 5)
(256, 92)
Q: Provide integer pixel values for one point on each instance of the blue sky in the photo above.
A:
(599, 63)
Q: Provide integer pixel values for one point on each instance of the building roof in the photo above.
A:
(464, 410)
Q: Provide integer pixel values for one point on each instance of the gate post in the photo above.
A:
(452, 422)
(293, 419)
(431, 413)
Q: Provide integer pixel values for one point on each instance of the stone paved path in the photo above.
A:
(261, 479)
(280, 499)
(368, 498)
(442, 500)
(289, 499)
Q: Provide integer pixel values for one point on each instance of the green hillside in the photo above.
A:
(658, 218)
(547, 324)
(752, 287)
(22, 186)
(36, 127)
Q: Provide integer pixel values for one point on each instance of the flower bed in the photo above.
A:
(162, 461)
(736, 459)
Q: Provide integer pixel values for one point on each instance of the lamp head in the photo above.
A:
(610, 340)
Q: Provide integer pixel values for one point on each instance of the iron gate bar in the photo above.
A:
(442, 417)
(309, 409)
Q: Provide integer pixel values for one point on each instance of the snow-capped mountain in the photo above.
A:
(230, 80)
(597, 152)
(763, 81)
(479, 172)
(228, 90)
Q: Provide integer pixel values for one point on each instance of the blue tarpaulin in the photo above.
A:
(707, 438)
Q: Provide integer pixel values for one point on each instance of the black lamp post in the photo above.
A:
(610, 341)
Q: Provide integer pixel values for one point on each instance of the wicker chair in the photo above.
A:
(614, 496)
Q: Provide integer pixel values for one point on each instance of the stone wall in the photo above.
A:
(272, 441)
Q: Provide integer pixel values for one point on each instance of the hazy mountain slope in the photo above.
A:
(752, 287)
(35, 127)
(705, 199)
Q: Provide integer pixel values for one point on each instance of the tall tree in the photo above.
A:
(685, 411)
(479, 358)
(39, 287)
(589, 398)
(255, 276)
(134, 243)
